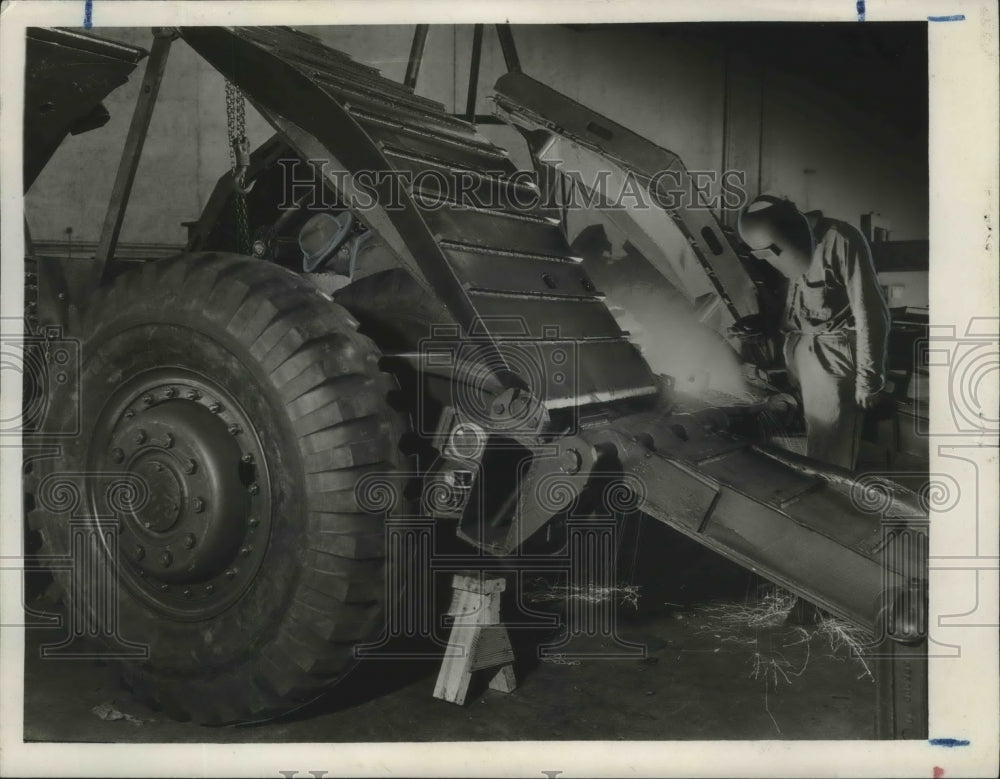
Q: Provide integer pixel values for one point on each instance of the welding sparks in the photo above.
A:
(760, 626)
(625, 594)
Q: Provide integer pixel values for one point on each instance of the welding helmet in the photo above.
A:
(776, 231)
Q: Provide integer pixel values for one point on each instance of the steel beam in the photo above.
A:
(416, 55)
(477, 57)
(901, 691)
(509, 48)
(132, 151)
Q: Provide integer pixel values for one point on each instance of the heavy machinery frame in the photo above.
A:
(521, 379)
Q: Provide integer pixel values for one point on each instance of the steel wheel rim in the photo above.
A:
(193, 537)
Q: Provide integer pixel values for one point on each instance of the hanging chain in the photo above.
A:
(236, 120)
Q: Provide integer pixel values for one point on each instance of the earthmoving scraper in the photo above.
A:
(540, 366)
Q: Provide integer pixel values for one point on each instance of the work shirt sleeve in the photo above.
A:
(868, 308)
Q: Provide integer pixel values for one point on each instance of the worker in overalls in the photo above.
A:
(836, 320)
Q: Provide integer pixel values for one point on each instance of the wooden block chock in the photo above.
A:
(478, 640)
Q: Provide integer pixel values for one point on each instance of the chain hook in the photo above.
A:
(241, 152)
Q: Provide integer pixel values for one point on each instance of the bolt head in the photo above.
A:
(187, 592)
(247, 458)
(254, 488)
(138, 553)
(168, 441)
(157, 466)
(215, 407)
(230, 573)
(129, 413)
(253, 521)
(245, 550)
(193, 395)
(190, 466)
(570, 461)
(164, 587)
(166, 559)
(198, 505)
(189, 541)
(234, 430)
(147, 399)
(209, 588)
(171, 392)
(139, 437)
(117, 455)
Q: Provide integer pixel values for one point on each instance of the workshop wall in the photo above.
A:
(823, 153)
(815, 151)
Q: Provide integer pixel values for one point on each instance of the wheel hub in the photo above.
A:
(197, 538)
(163, 508)
(197, 502)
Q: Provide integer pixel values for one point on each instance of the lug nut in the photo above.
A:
(171, 392)
(147, 399)
(164, 587)
(166, 559)
(193, 395)
(129, 413)
(139, 437)
(253, 522)
(234, 430)
(187, 593)
(245, 550)
(198, 505)
(189, 541)
(254, 488)
(230, 573)
(168, 441)
(138, 552)
(157, 466)
(215, 407)
(209, 588)
(247, 458)
(190, 466)
(117, 455)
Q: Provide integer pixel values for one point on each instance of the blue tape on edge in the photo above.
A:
(861, 10)
(952, 18)
(88, 14)
(949, 742)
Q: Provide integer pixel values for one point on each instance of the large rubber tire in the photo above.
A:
(304, 402)
(397, 313)
(393, 309)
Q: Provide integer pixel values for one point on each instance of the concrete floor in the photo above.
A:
(703, 678)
